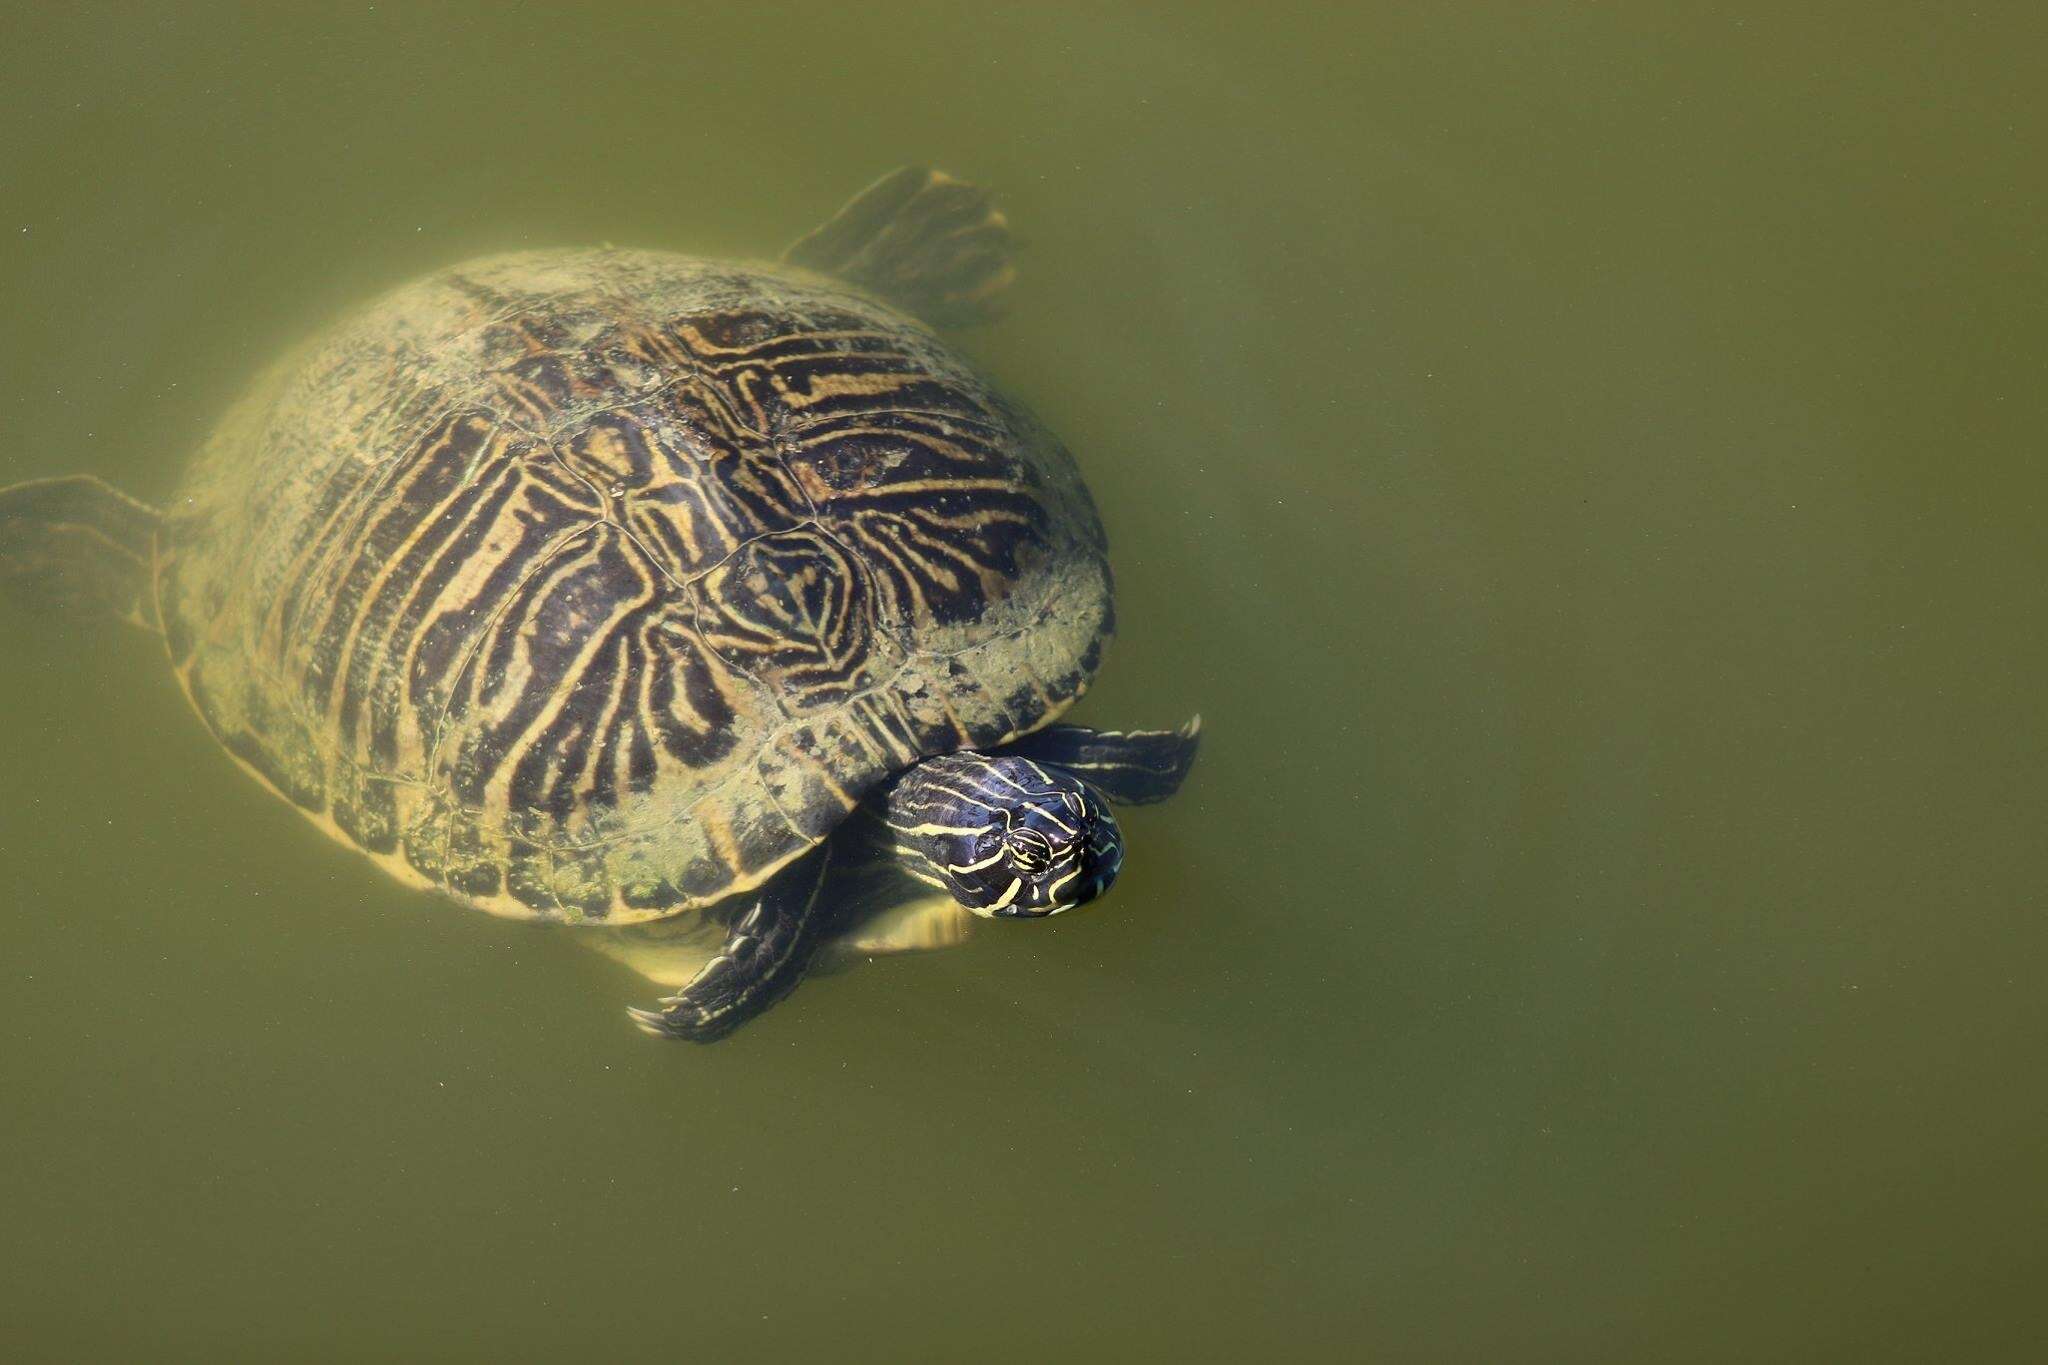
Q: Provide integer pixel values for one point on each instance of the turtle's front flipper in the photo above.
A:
(765, 954)
(1130, 767)
(77, 543)
(922, 240)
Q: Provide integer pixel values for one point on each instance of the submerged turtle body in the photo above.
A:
(598, 585)
(619, 586)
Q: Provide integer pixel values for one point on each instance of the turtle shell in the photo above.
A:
(599, 585)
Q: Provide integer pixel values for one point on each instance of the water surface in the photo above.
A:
(1583, 463)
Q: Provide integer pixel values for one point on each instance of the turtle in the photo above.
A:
(722, 606)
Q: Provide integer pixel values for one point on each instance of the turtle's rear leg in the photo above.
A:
(78, 544)
(924, 241)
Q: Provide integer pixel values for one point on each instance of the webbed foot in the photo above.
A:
(1130, 767)
(763, 958)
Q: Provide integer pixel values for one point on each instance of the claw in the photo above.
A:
(652, 1022)
(688, 1022)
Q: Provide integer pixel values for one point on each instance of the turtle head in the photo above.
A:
(1009, 838)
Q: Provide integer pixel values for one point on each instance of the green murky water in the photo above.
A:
(1584, 462)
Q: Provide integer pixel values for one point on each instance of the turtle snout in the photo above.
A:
(1080, 867)
(1102, 860)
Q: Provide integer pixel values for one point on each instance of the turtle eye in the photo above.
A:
(1029, 850)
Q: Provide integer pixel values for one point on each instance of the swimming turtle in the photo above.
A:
(620, 587)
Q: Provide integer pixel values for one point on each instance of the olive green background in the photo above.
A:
(1584, 462)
